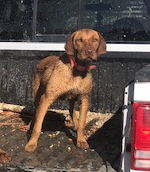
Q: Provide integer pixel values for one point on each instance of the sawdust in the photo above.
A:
(94, 121)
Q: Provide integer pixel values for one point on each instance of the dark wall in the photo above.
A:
(113, 73)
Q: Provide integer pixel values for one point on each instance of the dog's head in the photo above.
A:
(85, 44)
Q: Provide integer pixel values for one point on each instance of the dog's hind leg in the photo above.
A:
(36, 94)
(35, 86)
(73, 114)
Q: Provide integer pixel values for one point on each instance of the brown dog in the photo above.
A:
(67, 77)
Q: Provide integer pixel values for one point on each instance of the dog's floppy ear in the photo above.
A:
(102, 46)
(69, 46)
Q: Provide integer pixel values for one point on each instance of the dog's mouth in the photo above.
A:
(86, 61)
(90, 60)
(90, 63)
(87, 58)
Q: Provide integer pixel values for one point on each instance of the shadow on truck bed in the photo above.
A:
(56, 152)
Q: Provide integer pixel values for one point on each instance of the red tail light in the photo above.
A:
(140, 139)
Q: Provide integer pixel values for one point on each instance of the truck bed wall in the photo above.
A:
(113, 73)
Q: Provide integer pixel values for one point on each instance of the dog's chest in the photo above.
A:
(76, 86)
(67, 84)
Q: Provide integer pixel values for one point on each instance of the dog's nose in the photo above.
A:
(89, 52)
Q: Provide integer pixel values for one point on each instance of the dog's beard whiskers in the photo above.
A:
(85, 57)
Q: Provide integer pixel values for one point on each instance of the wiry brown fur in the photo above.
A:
(56, 78)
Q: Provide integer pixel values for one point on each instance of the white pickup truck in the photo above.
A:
(136, 124)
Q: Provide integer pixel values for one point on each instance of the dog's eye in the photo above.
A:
(95, 40)
(79, 40)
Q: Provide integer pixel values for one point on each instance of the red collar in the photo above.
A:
(79, 67)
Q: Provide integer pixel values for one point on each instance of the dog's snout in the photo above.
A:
(89, 52)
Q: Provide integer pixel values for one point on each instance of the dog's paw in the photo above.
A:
(30, 147)
(4, 157)
(83, 144)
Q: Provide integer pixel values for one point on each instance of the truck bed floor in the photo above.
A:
(56, 152)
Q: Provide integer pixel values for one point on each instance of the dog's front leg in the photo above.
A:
(41, 110)
(81, 141)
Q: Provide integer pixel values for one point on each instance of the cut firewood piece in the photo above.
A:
(16, 108)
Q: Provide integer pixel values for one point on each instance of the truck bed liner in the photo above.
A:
(55, 153)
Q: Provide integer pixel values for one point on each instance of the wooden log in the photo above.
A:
(16, 108)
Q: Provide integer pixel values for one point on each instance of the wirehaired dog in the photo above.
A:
(67, 77)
